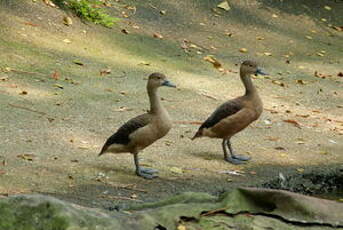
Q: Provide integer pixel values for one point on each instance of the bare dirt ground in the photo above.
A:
(56, 110)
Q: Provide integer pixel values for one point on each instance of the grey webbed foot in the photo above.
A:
(234, 161)
(233, 155)
(241, 157)
(148, 170)
(145, 175)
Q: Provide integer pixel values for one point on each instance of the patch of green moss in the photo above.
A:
(89, 10)
(41, 217)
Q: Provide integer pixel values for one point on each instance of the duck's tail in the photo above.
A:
(197, 134)
(103, 150)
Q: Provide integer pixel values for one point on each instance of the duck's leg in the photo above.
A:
(143, 172)
(228, 158)
(236, 156)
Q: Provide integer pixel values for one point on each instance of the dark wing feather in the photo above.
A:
(225, 110)
(123, 133)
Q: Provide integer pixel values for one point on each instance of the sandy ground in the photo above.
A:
(56, 114)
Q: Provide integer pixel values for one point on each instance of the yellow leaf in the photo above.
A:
(309, 37)
(324, 152)
(66, 40)
(67, 21)
(176, 170)
(243, 50)
(158, 35)
(267, 54)
(58, 86)
(327, 7)
(224, 5)
(275, 16)
(300, 170)
(215, 62)
(301, 82)
(276, 82)
(181, 227)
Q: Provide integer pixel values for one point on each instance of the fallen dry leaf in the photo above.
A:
(303, 115)
(276, 82)
(243, 50)
(224, 5)
(338, 28)
(181, 227)
(55, 75)
(157, 35)
(280, 148)
(267, 54)
(67, 40)
(77, 62)
(49, 3)
(67, 21)
(105, 72)
(301, 82)
(294, 122)
(30, 24)
(327, 7)
(215, 62)
(206, 94)
(4, 78)
(125, 31)
(163, 12)
(58, 86)
(324, 152)
(122, 109)
(144, 63)
(176, 170)
(272, 138)
(26, 156)
(301, 170)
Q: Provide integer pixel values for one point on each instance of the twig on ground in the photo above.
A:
(126, 186)
(26, 72)
(119, 198)
(28, 109)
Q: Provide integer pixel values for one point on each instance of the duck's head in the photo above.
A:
(159, 79)
(250, 67)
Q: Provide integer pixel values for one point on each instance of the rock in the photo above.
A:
(244, 208)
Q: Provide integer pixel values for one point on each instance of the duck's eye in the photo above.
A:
(250, 65)
(159, 78)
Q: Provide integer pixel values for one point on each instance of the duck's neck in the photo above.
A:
(249, 86)
(155, 102)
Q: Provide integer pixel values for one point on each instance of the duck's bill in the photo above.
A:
(260, 72)
(169, 84)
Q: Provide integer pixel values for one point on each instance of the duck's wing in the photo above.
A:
(223, 111)
(123, 133)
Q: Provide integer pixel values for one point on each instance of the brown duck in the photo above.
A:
(234, 115)
(143, 130)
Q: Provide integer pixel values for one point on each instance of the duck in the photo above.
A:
(235, 115)
(143, 130)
